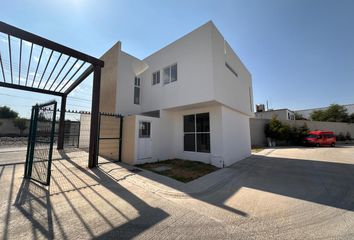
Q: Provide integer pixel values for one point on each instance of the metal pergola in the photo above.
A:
(32, 63)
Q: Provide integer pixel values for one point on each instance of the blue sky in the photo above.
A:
(300, 52)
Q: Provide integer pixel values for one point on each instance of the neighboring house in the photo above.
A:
(306, 113)
(281, 114)
(190, 100)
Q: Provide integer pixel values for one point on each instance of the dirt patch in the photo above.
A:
(257, 149)
(181, 170)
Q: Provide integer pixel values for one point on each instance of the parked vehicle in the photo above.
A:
(320, 138)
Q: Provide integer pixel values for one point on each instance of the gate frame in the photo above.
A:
(32, 141)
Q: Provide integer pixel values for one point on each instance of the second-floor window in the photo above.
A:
(170, 74)
(136, 90)
(156, 78)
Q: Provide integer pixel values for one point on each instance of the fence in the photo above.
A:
(109, 137)
(258, 137)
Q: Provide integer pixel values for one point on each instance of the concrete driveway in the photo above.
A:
(285, 193)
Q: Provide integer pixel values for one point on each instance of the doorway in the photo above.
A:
(144, 141)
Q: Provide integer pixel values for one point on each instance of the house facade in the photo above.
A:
(190, 100)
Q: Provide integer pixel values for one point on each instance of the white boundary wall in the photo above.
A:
(258, 137)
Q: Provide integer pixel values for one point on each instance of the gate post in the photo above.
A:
(93, 148)
(120, 138)
(62, 123)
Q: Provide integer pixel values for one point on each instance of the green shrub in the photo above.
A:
(340, 137)
(348, 136)
(279, 131)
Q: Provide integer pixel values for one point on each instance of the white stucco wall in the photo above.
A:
(128, 68)
(201, 75)
(236, 142)
(234, 92)
(229, 136)
(194, 84)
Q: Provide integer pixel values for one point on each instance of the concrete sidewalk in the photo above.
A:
(283, 194)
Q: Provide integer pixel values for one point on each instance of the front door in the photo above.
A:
(144, 141)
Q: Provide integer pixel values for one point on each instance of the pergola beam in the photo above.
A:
(80, 79)
(30, 37)
(29, 89)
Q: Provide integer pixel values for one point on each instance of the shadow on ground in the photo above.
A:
(321, 182)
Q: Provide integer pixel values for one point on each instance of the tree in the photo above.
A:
(299, 116)
(271, 129)
(351, 118)
(21, 124)
(318, 115)
(6, 112)
(277, 130)
(334, 113)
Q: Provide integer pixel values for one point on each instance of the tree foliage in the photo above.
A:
(351, 118)
(21, 124)
(299, 116)
(6, 112)
(334, 113)
(277, 130)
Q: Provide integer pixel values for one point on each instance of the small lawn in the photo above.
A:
(256, 149)
(181, 170)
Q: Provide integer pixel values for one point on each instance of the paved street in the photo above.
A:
(285, 193)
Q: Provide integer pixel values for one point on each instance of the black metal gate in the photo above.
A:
(40, 142)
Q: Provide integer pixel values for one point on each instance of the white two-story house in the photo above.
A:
(190, 100)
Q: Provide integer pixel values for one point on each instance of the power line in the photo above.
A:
(37, 99)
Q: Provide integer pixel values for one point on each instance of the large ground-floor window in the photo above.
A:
(196, 129)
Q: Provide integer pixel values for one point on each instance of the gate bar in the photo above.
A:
(51, 145)
(62, 123)
(120, 138)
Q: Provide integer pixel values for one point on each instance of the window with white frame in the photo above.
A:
(196, 129)
(170, 74)
(136, 90)
(156, 78)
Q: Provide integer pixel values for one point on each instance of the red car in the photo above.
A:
(320, 138)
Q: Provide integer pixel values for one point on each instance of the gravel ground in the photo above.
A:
(13, 142)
